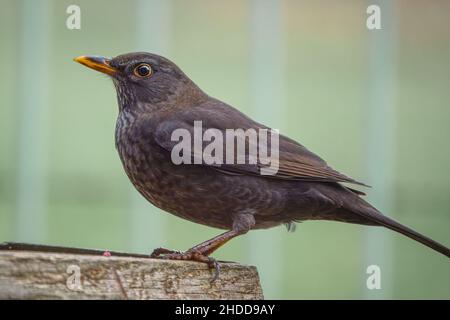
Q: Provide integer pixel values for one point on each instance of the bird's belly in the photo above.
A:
(198, 193)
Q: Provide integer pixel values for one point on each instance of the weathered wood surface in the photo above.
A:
(49, 275)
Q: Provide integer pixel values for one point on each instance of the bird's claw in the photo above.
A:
(161, 251)
(190, 255)
(212, 263)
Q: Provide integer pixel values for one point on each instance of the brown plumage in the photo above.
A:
(228, 196)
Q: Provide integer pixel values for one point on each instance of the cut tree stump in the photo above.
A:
(41, 272)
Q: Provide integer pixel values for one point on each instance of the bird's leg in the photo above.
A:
(200, 252)
(209, 246)
(242, 223)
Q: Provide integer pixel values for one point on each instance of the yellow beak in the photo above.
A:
(97, 63)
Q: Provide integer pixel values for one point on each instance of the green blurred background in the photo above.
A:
(375, 104)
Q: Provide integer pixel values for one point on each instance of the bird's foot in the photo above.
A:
(191, 255)
(200, 252)
(160, 251)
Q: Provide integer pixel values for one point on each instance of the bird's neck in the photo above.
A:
(126, 98)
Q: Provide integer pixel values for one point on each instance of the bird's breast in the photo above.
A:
(142, 159)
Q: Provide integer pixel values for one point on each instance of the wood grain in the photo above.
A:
(44, 275)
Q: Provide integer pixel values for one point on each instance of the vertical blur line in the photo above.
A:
(380, 137)
(152, 34)
(30, 223)
(267, 104)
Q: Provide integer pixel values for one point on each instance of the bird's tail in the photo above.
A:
(378, 218)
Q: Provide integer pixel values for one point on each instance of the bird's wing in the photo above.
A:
(294, 162)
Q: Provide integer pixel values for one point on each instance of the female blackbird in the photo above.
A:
(155, 98)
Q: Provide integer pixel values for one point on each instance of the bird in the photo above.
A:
(155, 98)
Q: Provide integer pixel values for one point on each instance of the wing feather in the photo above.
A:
(295, 162)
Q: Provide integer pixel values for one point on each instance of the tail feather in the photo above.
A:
(375, 216)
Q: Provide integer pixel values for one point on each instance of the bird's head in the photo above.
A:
(142, 80)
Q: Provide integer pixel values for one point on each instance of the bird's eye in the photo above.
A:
(143, 70)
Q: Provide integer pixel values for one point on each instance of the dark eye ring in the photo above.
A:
(143, 70)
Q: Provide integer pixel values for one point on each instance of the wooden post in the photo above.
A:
(66, 273)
